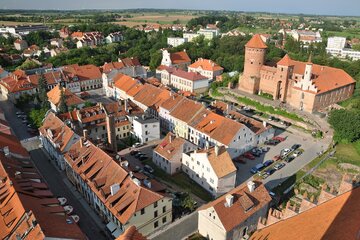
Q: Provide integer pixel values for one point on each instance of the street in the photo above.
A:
(55, 179)
(310, 145)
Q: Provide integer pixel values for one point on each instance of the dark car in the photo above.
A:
(254, 170)
(143, 157)
(279, 166)
(268, 163)
(295, 146)
(270, 171)
(133, 152)
(272, 142)
(289, 159)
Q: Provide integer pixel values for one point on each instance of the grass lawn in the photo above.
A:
(348, 153)
(182, 181)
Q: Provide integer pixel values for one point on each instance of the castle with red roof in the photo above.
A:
(304, 86)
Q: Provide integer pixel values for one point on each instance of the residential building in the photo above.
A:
(212, 168)
(176, 41)
(15, 85)
(146, 129)
(131, 234)
(23, 29)
(71, 100)
(305, 36)
(56, 51)
(3, 73)
(96, 120)
(64, 32)
(114, 37)
(88, 39)
(189, 36)
(20, 44)
(89, 76)
(209, 32)
(168, 154)
(330, 217)
(178, 59)
(206, 68)
(304, 86)
(121, 198)
(57, 42)
(32, 51)
(336, 46)
(56, 138)
(29, 209)
(236, 214)
(189, 81)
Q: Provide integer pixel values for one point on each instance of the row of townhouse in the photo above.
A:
(29, 210)
(122, 198)
(73, 77)
(191, 120)
(172, 72)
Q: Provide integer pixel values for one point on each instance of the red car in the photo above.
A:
(277, 158)
(248, 155)
(240, 160)
(281, 139)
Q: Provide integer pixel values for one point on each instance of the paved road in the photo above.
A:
(56, 182)
(309, 144)
(19, 128)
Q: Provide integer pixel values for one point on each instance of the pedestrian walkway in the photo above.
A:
(31, 143)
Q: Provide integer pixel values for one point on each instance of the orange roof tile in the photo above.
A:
(285, 61)
(131, 234)
(338, 218)
(193, 76)
(180, 57)
(206, 64)
(221, 163)
(54, 96)
(233, 216)
(171, 147)
(256, 42)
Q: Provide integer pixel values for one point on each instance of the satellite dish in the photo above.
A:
(117, 156)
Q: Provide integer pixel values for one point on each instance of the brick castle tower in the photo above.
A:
(255, 51)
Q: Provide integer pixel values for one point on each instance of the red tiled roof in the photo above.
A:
(256, 42)
(206, 64)
(338, 218)
(233, 216)
(192, 76)
(131, 234)
(85, 72)
(180, 57)
(54, 96)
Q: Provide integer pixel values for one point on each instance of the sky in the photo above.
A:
(319, 7)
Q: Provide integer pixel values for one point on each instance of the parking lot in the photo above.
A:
(311, 149)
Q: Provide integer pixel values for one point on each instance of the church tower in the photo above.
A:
(255, 51)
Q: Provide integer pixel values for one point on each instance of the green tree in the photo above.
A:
(346, 124)
(63, 108)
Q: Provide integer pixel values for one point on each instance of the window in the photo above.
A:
(142, 211)
(164, 209)
(155, 204)
(156, 224)
(145, 125)
(164, 220)
(155, 214)
(211, 180)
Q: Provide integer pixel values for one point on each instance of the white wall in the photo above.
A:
(146, 131)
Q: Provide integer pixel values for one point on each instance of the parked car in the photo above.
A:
(19, 113)
(239, 160)
(268, 163)
(263, 175)
(136, 145)
(297, 153)
(249, 156)
(287, 124)
(279, 166)
(272, 142)
(295, 146)
(138, 154)
(254, 170)
(289, 159)
(281, 139)
(277, 158)
(285, 151)
(133, 152)
(24, 121)
(143, 157)
(270, 171)
(148, 169)
(265, 149)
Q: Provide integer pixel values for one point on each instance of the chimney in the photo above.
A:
(207, 145)
(6, 151)
(126, 105)
(114, 188)
(264, 124)
(110, 127)
(229, 200)
(251, 186)
(170, 138)
(217, 150)
(85, 133)
(81, 142)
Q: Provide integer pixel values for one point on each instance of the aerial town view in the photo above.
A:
(179, 120)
